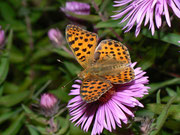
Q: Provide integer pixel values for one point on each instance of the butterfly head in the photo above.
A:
(83, 74)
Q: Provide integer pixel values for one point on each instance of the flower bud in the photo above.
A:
(2, 37)
(49, 104)
(78, 8)
(56, 36)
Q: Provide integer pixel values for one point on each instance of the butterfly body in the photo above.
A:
(101, 69)
(104, 65)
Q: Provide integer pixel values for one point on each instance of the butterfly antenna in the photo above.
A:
(69, 82)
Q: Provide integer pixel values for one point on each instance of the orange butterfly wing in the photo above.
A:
(82, 43)
(124, 76)
(93, 87)
(111, 48)
(114, 53)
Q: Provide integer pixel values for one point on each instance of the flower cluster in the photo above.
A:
(135, 11)
(112, 108)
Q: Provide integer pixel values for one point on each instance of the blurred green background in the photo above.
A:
(29, 67)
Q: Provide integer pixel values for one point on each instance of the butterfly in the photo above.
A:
(104, 64)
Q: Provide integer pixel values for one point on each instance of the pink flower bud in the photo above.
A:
(2, 37)
(56, 36)
(49, 104)
(79, 8)
(75, 7)
(48, 100)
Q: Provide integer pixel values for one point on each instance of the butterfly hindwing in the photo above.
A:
(93, 87)
(111, 48)
(125, 76)
(82, 43)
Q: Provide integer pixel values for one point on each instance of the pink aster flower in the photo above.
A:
(113, 108)
(135, 11)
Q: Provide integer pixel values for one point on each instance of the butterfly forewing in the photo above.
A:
(82, 43)
(111, 48)
(93, 87)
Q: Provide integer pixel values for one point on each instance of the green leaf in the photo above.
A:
(40, 54)
(76, 130)
(25, 84)
(7, 11)
(98, 2)
(171, 92)
(145, 113)
(10, 88)
(4, 59)
(41, 89)
(32, 130)
(14, 128)
(171, 38)
(109, 24)
(178, 91)
(13, 99)
(42, 130)
(162, 117)
(8, 115)
(158, 98)
(174, 110)
(26, 109)
(1, 90)
(72, 68)
(34, 116)
(148, 59)
(156, 86)
(15, 2)
(166, 99)
(62, 53)
(61, 94)
(172, 124)
(165, 133)
(4, 67)
(104, 5)
(16, 55)
(64, 123)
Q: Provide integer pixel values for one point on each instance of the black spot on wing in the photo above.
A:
(79, 44)
(90, 45)
(84, 50)
(72, 42)
(76, 49)
(78, 54)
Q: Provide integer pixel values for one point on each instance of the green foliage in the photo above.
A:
(29, 67)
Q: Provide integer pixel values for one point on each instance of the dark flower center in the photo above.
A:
(106, 96)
